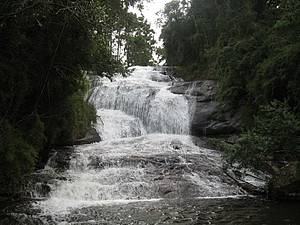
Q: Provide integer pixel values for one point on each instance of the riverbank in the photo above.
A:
(222, 127)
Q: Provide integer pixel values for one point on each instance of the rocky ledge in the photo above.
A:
(208, 117)
(92, 136)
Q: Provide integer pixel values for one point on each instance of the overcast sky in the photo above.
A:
(150, 10)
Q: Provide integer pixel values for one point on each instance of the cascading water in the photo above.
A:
(146, 156)
(145, 95)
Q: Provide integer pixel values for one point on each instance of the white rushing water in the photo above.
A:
(145, 95)
(146, 153)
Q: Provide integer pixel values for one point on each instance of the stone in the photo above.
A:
(92, 136)
(159, 77)
(204, 90)
(208, 118)
(285, 185)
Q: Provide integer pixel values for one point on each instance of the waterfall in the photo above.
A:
(146, 155)
(145, 95)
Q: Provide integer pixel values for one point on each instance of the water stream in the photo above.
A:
(147, 169)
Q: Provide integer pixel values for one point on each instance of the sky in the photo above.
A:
(150, 10)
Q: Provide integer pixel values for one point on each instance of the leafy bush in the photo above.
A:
(252, 48)
(273, 139)
(18, 155)
(44, 48)
(81, 114)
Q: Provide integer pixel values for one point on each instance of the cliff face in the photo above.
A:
(207, 116)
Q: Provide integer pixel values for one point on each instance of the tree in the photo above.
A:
(252, 49)
(45, 47)
(139, 42)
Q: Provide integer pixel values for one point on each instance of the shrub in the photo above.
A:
(273, 139)
(17, 159)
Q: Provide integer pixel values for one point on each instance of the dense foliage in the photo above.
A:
(272, 140)
(131, 37)
(45, 48)
(252, 48)
(139, 42)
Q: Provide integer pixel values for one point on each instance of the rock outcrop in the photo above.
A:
(285, 185)
(208, 117)
(91, 137)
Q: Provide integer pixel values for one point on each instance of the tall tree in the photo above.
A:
(45, 47)
(252, 49)
(139, 42)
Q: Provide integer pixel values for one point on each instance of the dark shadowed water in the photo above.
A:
(204, 211)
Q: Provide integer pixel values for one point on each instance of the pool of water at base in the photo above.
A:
(243, 211)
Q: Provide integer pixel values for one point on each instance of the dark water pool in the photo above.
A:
(196, 211)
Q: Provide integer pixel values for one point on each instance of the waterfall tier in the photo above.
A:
(146, 155)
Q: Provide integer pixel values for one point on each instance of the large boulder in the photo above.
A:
(208, 117)
(92, 136)
(204, 90)
(209, 120)
(285, 184)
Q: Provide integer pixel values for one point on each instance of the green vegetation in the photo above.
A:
(139, 39)
(272, 139)
(252, 48)
(45, 48)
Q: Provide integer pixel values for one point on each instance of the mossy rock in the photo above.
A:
(286, 184)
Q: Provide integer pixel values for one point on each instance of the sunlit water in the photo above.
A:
(147, 169)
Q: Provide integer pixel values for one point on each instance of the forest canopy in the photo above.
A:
(252, 49)
(47, 48)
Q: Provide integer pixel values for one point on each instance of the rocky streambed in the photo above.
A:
(148, 168)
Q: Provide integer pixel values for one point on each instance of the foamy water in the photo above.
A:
(146, 154)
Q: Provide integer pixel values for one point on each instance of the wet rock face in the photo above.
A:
(92, 136)
(207, 117)
(160, 78)
(203, 90)
(208, 120)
